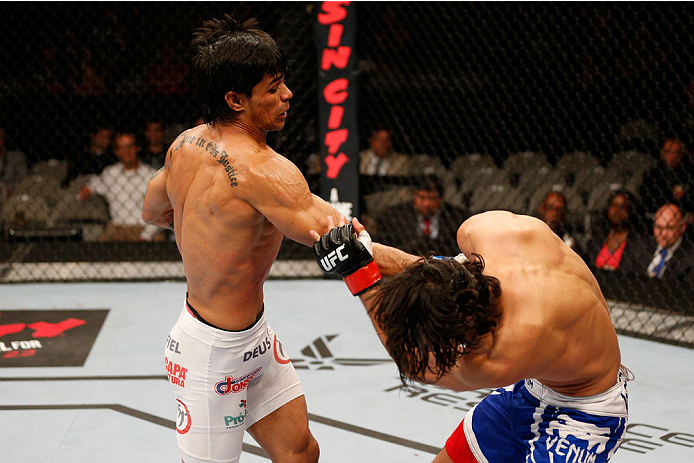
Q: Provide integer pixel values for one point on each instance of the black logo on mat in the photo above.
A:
(317, 356)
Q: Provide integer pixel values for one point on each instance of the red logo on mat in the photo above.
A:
(42, 329)
(48, 338)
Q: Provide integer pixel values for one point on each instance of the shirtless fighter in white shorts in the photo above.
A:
(230, 200)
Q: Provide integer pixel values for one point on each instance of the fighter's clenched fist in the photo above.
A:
(348, 254)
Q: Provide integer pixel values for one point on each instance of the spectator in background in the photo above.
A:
(13, 166)
(154, 150)
(672, 257)
(124, 185)
(427, 223)
(610, 243)
(552, 211)
(95, 158)
(672, 179)
(380, 159)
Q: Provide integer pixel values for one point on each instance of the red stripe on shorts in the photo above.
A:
(457, 447)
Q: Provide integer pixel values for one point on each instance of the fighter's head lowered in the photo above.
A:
(438, 307)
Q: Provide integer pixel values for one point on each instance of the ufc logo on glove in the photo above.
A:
(329, 262)
(341, 251)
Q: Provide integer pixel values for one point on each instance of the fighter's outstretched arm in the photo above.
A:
(354, 262)
(278, 190)
(390, 260)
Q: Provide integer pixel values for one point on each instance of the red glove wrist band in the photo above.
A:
(363, 279)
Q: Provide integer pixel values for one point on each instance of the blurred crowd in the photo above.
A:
(628, 214)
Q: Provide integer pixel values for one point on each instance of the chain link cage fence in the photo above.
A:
(577, 113)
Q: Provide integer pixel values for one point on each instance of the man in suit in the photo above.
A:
(552, 211)
(427, 223)
(672, 258)
(380, 159)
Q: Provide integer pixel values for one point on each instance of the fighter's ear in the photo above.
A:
(235, 101)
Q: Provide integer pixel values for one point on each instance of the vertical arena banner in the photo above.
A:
(339, 139)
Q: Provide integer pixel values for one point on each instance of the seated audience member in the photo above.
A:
(552, 211)
(668, 254)
(380, 159)
(614, 238)
(154, 148)
(95, 158)
(672, 179)
(13, 166)
(124, 185)
(427, 223)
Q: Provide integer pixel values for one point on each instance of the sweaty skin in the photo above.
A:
(231, 198)
(554, 326)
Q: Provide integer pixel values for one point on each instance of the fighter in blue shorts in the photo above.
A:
(518, 310)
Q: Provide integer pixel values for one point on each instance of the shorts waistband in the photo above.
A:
(612, 402)
(205, 332)
(195, 314)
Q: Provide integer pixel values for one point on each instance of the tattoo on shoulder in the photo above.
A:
(212, 148)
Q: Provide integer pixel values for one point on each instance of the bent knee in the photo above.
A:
(308, 453)
(313, 451)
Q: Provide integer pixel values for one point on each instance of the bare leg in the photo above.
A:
(284, 434)
(442, 457)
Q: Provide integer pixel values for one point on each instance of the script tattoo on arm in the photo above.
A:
(213, 150)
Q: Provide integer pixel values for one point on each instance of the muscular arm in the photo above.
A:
(280, 192)
(157, 209)
(391, 260)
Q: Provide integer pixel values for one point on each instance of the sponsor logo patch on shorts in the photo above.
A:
(280, 356)
(175, 373)
(173, 345)
(234, 421)
(235, 385)
(183, 420)
(259, 350)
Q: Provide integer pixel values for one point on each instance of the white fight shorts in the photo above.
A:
(224, 382)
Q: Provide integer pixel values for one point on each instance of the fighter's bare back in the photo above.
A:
(555, 325)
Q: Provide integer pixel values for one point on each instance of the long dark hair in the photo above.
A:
(438, 307)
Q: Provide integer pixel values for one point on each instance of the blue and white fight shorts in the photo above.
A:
(529, 422)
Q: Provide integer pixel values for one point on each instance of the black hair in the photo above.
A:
(230, 55)
(429, 182)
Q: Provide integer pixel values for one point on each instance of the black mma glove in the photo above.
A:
(341, 251)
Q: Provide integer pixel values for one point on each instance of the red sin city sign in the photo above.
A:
(339, 148)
